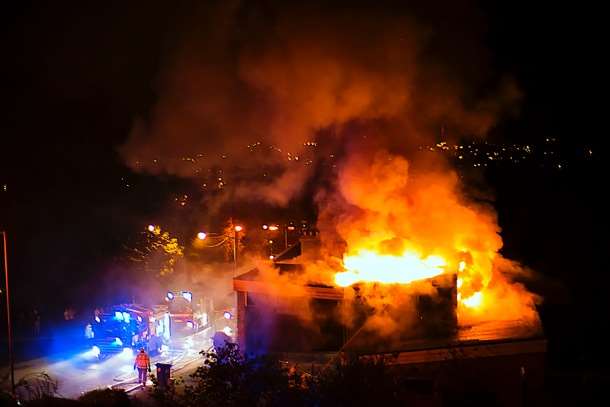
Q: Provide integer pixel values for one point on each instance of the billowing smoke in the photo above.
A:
(250, 87)
(395, 225)
(246, 86)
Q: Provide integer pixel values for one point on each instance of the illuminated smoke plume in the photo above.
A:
(249, 87)
(246, 86)
(399, 225)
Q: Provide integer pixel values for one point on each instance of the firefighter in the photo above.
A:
(142, 363)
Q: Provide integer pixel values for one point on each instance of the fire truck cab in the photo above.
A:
(186, 317)
(129, 326)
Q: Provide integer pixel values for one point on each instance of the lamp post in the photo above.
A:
(8, 314)
(236, 229)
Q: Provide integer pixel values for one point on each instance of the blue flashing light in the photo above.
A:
(97, 319)
(227, 315)
(118, 342)
(187, 296)
(118, 315)
(126, 317)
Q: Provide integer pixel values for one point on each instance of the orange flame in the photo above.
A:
(369, 266)
(406, 229)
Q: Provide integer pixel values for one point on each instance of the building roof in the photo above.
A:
(250, 282)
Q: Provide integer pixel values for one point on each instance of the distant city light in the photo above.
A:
(201, 235)
(238, 228)
(290, 227)
(273, 227)
(265, 227)
(151, 228)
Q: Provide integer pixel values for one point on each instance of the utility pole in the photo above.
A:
(285, 237)
(8, 315)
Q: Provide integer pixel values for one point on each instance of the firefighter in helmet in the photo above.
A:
(142, 363)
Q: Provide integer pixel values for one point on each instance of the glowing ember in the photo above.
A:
(389, 269)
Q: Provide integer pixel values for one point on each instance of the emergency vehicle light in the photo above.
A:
(187, 296)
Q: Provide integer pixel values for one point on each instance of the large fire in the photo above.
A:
(402, 229)
(368, 266)
(402, 269)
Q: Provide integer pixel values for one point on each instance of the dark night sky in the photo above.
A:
(77, 73)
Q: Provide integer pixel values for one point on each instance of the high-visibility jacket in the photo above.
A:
(142, 361)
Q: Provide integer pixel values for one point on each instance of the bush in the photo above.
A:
(36, 386)
(105, 398)
(229, 379)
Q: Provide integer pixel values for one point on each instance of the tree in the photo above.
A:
(157, 251)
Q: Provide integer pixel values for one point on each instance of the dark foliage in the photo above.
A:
(229, 379)
(105, 398)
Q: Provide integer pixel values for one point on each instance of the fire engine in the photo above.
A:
(129, 326)
(185, 317)
(124, 327)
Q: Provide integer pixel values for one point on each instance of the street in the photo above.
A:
(81, 372)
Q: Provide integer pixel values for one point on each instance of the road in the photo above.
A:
(78, 373)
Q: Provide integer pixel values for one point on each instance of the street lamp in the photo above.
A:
(9, 326)
(218, 239)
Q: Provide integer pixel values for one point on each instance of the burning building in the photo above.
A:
(281, 310)
(403, 263)
(291, 317)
